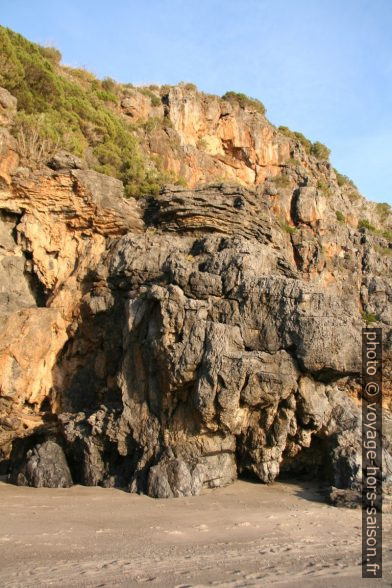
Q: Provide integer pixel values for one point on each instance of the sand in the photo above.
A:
(247, 534)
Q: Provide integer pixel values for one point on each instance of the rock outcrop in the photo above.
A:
(172, 344)
(43, 466)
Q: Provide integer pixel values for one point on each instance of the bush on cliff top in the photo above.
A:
(73, 110)
(383, 210)
(343, 180)
(317, 149)
(245, 101)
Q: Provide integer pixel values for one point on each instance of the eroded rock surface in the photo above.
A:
(172, 344)
(43, 466)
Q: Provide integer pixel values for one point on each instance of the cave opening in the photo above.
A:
(312, 463)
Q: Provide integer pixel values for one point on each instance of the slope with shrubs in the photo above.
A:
(70, 108)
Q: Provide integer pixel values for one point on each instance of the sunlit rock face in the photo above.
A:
(173, 343)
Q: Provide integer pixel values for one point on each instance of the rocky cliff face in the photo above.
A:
(172, 344)
(204, 139)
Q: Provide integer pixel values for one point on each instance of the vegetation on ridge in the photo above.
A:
(245, 101)
(69, 108)
(72, 109)
(317, 149)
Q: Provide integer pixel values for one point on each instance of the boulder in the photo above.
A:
(44, 466)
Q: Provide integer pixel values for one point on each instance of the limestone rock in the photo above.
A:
(65, 160)
(173, 343)
(310, 205)
(44, 466)
(173, 479)
(140, 106)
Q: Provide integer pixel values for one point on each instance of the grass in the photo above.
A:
(383, 250)
(365, 224)
(189, 86)
(287, 228)
(281, 181)
(353, 196)
(71, 108)
(323, 187)
(154, 99)
(383, 210)
(343, 180)
(369, 317)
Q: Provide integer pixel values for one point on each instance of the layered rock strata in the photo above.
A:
(172, 344)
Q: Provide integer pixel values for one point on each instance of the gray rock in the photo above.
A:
(65, 160)
(345, 498)
(45, 466)
(174, 478)
(211, 342)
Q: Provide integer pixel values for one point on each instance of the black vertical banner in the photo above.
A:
(371, 453)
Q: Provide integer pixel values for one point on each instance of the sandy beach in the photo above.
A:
(247, 534)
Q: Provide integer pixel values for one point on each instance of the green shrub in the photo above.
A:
(51, 53)
(152, 124)
(287, 228)
(383, 210)
(165, 89)
(340, 216)
(154, 99)
(365, 224)
(245, 101)
(383, 250)
(11, 70)
(286, 131)
(181, 181)
(303, 140)
(80, 74)
(297, 136)
(320, 151)
(343, 180)
(317, 149)
(189, 86)
(68, 107)
(323, 187)
(281, 181)
(353, 196)
(35, 143)
(109, 85)
(369, 317)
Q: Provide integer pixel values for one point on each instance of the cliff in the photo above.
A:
(173, 342)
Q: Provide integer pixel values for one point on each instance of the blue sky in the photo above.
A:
(323, 67)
